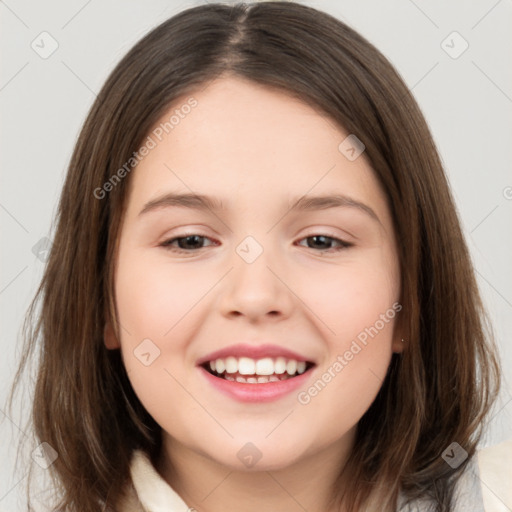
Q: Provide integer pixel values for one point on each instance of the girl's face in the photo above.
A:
(248, 273)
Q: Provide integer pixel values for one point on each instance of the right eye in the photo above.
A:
(185, 244)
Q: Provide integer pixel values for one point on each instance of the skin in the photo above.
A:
(255, 148)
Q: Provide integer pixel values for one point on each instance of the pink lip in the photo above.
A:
(264, 392)
(252, 351)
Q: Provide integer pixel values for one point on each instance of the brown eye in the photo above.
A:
(325, 242)
(187, 243)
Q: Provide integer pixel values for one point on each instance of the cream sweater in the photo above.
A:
(485, 486)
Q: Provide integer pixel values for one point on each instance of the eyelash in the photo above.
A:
(167, 243)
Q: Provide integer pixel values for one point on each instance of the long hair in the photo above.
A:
(437, 391)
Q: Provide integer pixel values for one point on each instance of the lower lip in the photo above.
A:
(264, 392)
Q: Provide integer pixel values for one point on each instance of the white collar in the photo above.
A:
(492, 465)
(154, 493)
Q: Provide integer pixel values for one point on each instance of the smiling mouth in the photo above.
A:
(262, 371)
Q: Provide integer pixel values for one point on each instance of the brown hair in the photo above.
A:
(439, 390)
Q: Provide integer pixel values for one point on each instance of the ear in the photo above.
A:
(110, 338)
(398, 344)
(399, 339)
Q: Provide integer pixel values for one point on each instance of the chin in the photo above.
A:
(254, 457)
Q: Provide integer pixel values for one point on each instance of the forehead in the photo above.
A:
(242, 142)
(236, 118)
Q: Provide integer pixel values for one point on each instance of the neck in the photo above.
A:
(208, 486)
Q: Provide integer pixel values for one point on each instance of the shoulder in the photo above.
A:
(483, 486)
(495, 465)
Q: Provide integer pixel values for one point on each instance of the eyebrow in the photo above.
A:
(302, 204)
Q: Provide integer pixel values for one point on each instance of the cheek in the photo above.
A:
(156, 300)
(352, 296)
(358, 305)
(157, 307)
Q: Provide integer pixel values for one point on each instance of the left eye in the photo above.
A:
(326, 239)
(193, 242)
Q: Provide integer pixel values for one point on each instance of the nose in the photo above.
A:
(257, 289)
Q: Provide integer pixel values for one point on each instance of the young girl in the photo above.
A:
(322, 346)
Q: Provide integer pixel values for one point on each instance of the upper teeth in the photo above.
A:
(265, 366)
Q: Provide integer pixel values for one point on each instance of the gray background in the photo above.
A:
(467, 101)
